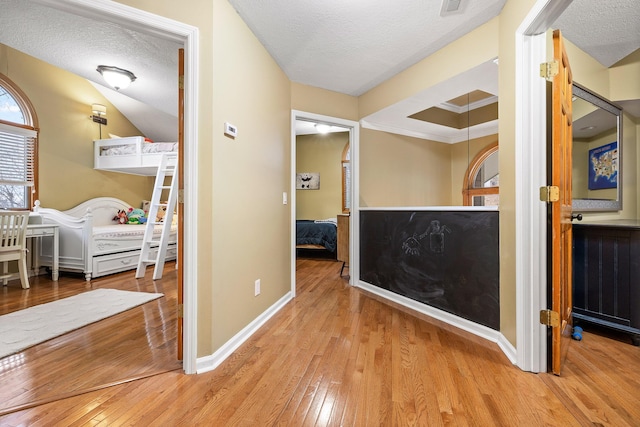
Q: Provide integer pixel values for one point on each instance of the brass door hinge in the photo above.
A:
(180, 310)
(550, 318)
(549, 194)
(548, 70)
(181, 82)
(181, 195)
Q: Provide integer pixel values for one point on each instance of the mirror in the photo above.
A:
(597, 153)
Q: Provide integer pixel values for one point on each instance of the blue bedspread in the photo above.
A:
(309, 232)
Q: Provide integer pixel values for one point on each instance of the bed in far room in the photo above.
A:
(317, 234)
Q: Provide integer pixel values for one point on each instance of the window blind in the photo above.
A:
(17, 155)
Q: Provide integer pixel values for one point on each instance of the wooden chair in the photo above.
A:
(13, 244)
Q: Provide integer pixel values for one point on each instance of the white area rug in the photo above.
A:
(31, 326)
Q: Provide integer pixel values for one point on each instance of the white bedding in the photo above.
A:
(147, 148)
(92, 243)
(125, 230)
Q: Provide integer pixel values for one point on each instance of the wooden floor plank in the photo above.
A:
(137, 342)
(335, 356)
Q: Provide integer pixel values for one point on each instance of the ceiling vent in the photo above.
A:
(451, 7)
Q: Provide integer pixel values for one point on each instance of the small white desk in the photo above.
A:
(46, 230)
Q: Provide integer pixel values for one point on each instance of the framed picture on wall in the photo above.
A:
(603, 167)
(308, 181)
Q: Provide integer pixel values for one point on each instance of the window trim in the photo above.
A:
(346, 162)
(32, 123)
(468, 190)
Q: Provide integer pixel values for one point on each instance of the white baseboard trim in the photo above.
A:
(209, 363)
(508, 349)
(451, 319)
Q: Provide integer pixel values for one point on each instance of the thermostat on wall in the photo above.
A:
(230, 130)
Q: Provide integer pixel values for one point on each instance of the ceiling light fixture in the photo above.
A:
(116, 77)
(322, 128)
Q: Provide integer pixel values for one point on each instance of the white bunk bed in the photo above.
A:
(132, 155)
(93, 243)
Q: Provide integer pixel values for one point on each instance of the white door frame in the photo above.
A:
(531, 174)
(354, 147)
(158, 26)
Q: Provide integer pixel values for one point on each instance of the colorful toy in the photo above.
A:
(136, 216)
(577, 333)
(162, 211)
(121, 217)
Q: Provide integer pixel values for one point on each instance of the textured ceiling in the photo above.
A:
(608, 30)
(79, 44)
(344, 46)
(352, 46)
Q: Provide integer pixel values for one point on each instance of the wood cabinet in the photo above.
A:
(606, 275)
(343, 240)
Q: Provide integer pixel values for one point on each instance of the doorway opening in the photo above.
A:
(322, 198)
(127, 17)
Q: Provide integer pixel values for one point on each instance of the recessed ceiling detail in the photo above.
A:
(471, 98)
(437, 112)
(460, 119)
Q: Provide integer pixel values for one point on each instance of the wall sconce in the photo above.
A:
(116, 77)
(98, 112)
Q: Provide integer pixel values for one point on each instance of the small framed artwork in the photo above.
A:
(603, 167)
(308, 181)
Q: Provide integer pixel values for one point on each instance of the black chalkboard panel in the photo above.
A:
(446, 259)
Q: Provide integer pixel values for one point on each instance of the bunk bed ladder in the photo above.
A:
(168, 167)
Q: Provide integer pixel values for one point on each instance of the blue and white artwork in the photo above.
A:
(603, 167)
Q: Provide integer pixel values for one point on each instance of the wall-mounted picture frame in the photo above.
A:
(308, 181)
(603, 167)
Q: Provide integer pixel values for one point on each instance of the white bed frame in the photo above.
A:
(140, 163)
(83, 250)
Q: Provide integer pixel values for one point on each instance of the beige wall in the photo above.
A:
(398, 170)
(250, 232)
(243, 227)
(320, 101)
(623, 78)
(321, 154)
(65, 146)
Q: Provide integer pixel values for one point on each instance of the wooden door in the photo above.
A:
(180, 256)
(561, 230)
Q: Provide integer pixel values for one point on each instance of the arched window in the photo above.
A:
(481, 182)
(18, 147)
(346, 179)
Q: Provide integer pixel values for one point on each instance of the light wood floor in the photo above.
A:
(337, 356)
(134, 344)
